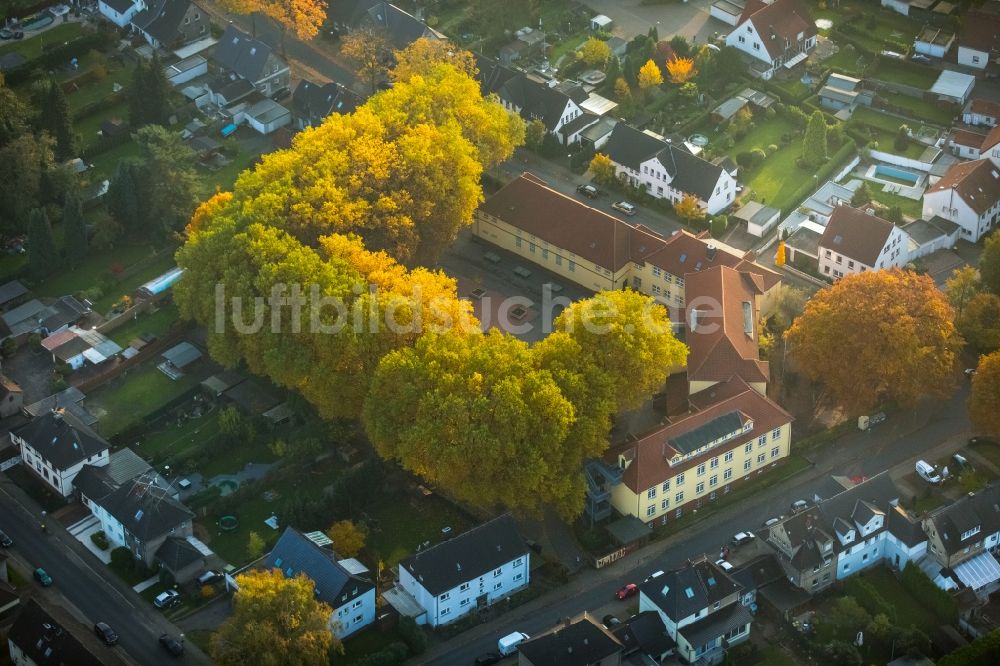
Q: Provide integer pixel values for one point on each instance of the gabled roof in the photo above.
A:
(535, 99)
(977, 183)
(8, 386)
(11, 290)
(980, 31)
(145, 510)
(402, 28)
(778, 21)
(120, 6)
(723, 329)
(693, 587)
(645, 633)
(968, 137)
(61, 439)
(992, 139)
(241, 53)
(650, 454)
(758, 572)
(715, 625)
(984, 107)
(44, 640)
(313, 102)
(295, 554)
(162, 19)
(469, 555)
(582, 641)
(856, 235)
(492, 74)
(981, 509)
(905, 528)
(177, 553)
(182, 354)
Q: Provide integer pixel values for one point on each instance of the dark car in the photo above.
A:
(171, 645)
(106, 633)
(281, 94)
(588, 191)
(488, 659)
(5, 540)
(610, 621)
(626, 591)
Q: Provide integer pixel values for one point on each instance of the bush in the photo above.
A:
(983, 650)
(929, 595)
(100, 539)
(868, 597)
(121, 558)
(412, 635)
(744, 159)
(757, 156)
(772, 149)
(771, 112)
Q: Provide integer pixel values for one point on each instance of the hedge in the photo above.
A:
(100, 539)
(984, 651)
(929, 595)
(103, 104)
(59, 55)
(836, 161)
(869, 598)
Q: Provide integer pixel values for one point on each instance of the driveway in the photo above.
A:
(689, 19)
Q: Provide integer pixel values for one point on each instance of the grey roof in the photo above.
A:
(11, 60)
(716, 624)
(30, 310)
(580, 642)
(842, 82)
(313, 103)
(582, 121)
(241, 53)
(628, 529)
(469, 555)
(535, 99)
(492, 75)
(904, 528)
(125, 465)
(981, 509)
(182, 354)
(11, 290)
(223, 381)
(176, 553)
(705, 434)
(600, 129)
(94, 482)
(758, 572)
(162, 19)
(43, 640)
(696, 586)
(146, 510)
(845, 96)
(402, 28)
(730, 107)
(61, 439)
(805, 240)
(878, 493)
(926, 231)
(266, 110)
(630, 147)
(70, 395)
(295, 554)
(573, 90)
(756, 213)
(232, 88)
(120, 6)
(645, 633)
(253, 397)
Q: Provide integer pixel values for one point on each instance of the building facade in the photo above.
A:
(777, 34)
(55, 447)
(968, 195)
(857, 241)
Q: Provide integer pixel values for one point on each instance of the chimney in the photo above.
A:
(710, 252)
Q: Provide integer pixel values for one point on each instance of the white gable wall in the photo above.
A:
(949, 205)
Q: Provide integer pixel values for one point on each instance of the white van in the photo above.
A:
(508, 644)
(927, 472)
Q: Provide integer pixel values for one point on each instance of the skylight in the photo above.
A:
(838, 239)
(711, 581)
(689, 593)
(683, 258)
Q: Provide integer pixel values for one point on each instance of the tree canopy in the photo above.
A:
(594, 52)
(369, 48)
(275, 621)
(985, 395)
(895, 326)
(989, 263)
(814, 145)
(423, 55)
(650, 75)
(979, 323)
(42, 256)
(963, 284)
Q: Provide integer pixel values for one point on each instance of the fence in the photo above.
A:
(614, 556)
(892, 86)
(899, 160)
(120, 365)
(847, 169)
(128, 315)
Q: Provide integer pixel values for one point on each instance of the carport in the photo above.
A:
(979, 572)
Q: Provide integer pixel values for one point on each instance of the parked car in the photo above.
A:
(507, 645)
(626, 591)
(171, 645)
(655, 574)
(610, 621)
(488, 659)
(625, 207)
(725, 566)
(927, 472)
(167, 599)
(961, 460)
(922, 59)
(742, 538)
(6, 34)
(106, 633)
(43, 577)
(210, 577)
(5, 540)
(798, 506)
(772, 521)
(970, 372)
(588, 191)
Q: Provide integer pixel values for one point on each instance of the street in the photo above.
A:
(85, 584)
(906, 436)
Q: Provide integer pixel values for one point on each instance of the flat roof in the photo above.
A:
(953, 84)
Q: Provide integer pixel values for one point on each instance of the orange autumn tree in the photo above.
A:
(689, 209)
(895, 327)
(985, 395)
(681, 70)
(302, 18)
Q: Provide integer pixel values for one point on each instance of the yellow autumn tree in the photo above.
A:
(603, 169)
(985, 395)
(422, 55)
(779, 258)
(302, 18)
(681, 70)
(622, 91)
(594, 52)
(368, 47)
(650, 75)
(689, 209)
(348, 539)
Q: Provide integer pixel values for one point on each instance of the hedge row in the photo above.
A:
(868, 597)
(97, 106)
(104, 144)
(984, 651)
(929, 595)
(101, 40)
(836, 161)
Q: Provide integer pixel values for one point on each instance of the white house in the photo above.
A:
(927, 236)
(968, 195)
(979, 40)
(666, 169)
(471, 571)
(856, 241)
(966, 143)
(774, 35)
(351, 596)
(700, 605)
(120, 12)
(55, 446)
(981, 111)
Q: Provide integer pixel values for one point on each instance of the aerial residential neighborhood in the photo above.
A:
(537, 332)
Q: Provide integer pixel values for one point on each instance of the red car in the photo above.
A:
(627, 591)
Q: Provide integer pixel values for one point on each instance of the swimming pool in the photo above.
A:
(898, 174)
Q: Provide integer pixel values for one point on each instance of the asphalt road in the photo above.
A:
(84, 585)
(903, 438)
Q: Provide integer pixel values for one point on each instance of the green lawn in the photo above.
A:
(155, 268)
(907, 73)
(95, 90)
(32, 47)
(778, 177)
(763, 135)
(106, 163)
(209, 182)
(87, 129)
(909, 611)
(127, 399)
(887, 127)
(91, 270)
(988, 450)
(156, 321)
(921, 109)
(173, 439)
(848, 60)
(399, 528)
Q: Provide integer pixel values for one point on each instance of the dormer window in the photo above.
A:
(969, 533)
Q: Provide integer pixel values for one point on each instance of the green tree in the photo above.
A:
(989, 263)
(15, 115)
(42, 256)
(862, 195)
(613, 70)
(842, 653)
(123, 198)
(74, 230)
(413, 635)
(534, 134)
(902, 139)
(55, 118)
(985, 395)
(255, 545)
(275, 620)
(979, 323)
(25, 164)
(910, 354)
(814, 141)
(168, 179)
(786, 306)
(148, 94)
(370, 49)
(135, 94)
(963, 284)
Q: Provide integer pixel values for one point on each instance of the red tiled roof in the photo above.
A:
(980, 32)
(56, 340)
(992, 139)
(649, 455)
(782, 19)
(985, 107)
(720, 346)
(856, 234)
(527, 203)
(964, 137)
(976, 182)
